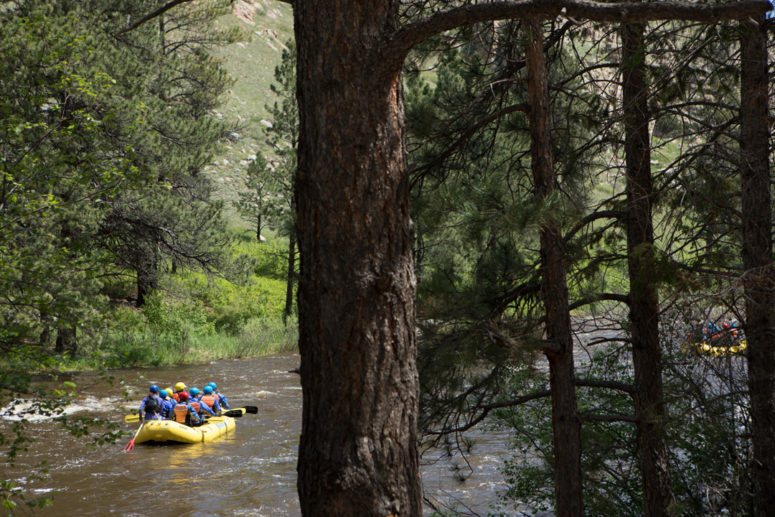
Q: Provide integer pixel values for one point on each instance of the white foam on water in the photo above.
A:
(34, 411)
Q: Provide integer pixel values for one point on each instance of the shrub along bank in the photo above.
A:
(196, 317)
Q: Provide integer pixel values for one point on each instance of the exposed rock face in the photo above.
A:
(246, 9)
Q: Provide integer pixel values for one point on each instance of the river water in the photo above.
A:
(250, 472)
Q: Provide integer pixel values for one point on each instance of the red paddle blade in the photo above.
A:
(131, 444)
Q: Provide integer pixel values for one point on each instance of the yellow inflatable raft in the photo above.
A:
(171, 431)
(715, 350)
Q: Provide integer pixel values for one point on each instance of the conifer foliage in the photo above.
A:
(103, 143)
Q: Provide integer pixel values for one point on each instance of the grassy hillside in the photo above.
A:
(268, 25)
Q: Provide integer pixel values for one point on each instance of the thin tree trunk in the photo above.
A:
(358, 447)
(45, 336)
(644, 296)
(291, 279)
(565, 422)
(759, 275)
(66, 341)
(45, 333)
(145, 268)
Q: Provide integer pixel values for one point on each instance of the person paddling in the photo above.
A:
(195, 396)
(210, 399)
(221, 398)
(167, 404)
(151, 406)
(186, 413)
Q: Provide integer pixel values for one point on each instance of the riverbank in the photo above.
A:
(191, 317)
(259, 338)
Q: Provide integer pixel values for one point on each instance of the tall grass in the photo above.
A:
(195, 318)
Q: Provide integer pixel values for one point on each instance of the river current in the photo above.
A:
(250, 472)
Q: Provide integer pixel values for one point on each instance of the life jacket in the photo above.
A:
(180, 410)
(209, 400)
(176, 396)
(194, 405)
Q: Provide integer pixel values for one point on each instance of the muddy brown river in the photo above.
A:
(250, 472)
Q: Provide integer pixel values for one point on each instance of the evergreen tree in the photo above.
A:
(60, 170)
(172, 217)
(759, 271)
(255, 199)
(453, 345)
(269, 196)
(102, 144)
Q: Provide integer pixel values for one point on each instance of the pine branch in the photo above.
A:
(158, 12)
(614, 385)
(486, 409)
(392, 55)
(613, 417)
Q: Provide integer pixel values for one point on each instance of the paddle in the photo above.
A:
(237, 413)
(234, 413)
(131, 445)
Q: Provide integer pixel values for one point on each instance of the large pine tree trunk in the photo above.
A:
(644, 298)
(759, 275)
(358, 452)
(565, 422)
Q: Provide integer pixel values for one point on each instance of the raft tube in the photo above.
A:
(171, 431)
(715, 350)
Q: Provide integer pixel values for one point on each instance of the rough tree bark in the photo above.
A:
(566, 426)
(759, 274)
(644, 297)
(358, 453)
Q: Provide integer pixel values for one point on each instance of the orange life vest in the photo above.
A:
(209, 400)
(180, 413)
(195, 405)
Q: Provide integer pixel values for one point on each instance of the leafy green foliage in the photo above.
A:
(56, 175)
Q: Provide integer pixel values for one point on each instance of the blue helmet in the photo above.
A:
(163, 394)
(154, 388)
(207, 389)
(213, 385)
(193, 392)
